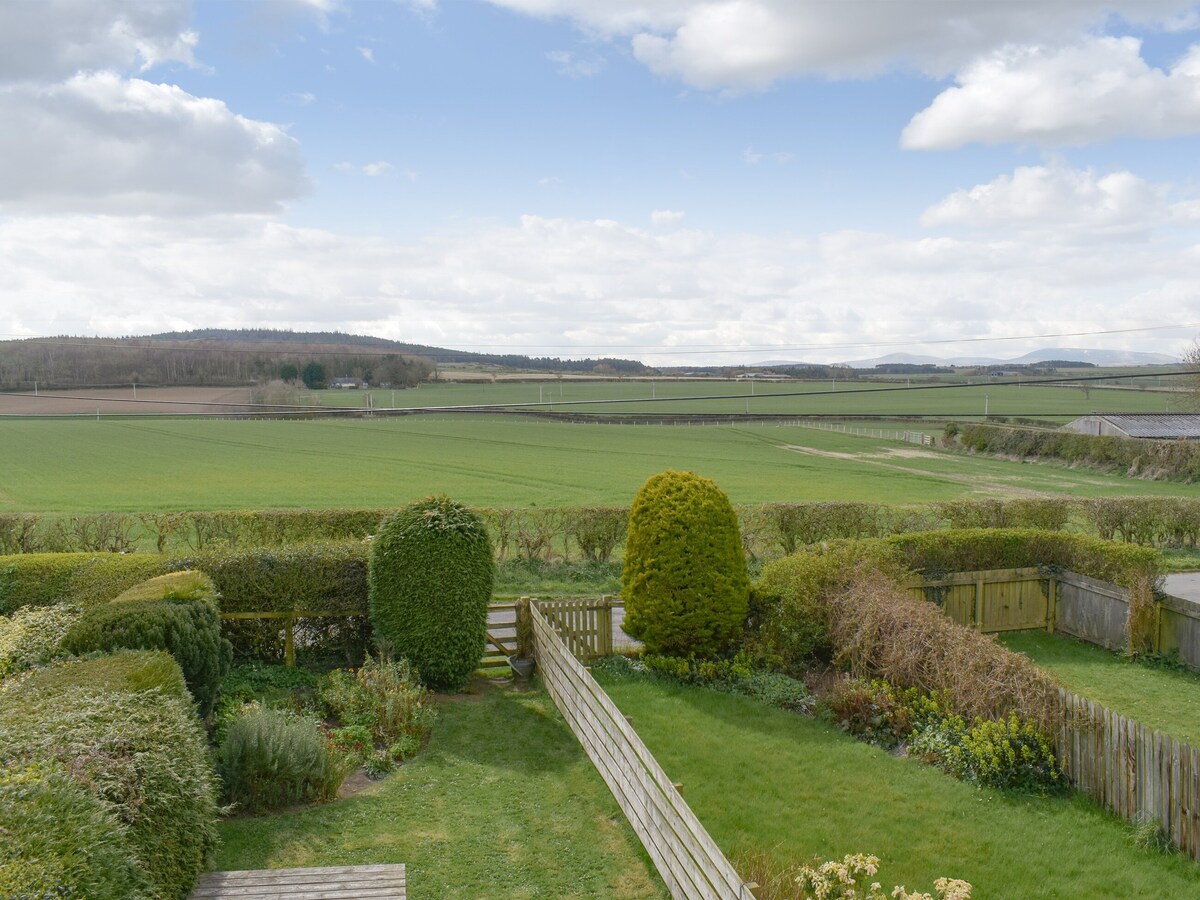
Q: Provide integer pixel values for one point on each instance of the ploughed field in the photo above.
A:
(152, 464)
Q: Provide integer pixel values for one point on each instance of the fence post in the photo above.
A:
(1052, 605)
(604, 629)
(978, 612)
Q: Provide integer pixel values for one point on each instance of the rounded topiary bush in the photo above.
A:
(429, 582)
(685, 585)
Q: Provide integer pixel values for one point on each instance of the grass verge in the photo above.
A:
(1166, 699)
(503, 799)
(766, 780)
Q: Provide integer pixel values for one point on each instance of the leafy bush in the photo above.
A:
(143, 755)
(125, 670)
(190, 630)
(271, 758)
(833, 880)
(31, 636)
(383, 697)
(83, 579)
(60, 840)
(789, 607)
(598, 530)
(877, 712)
(1007, 754)
(684, 582)
(430, 582)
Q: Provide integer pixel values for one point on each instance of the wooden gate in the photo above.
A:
(585, 625)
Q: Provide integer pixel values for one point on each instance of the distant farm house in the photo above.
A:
(345, 383)
(1159, 426)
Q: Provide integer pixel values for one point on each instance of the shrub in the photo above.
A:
(383, 697)
(83, 579)
(1007, 754)
(430, 582)
(132, 671)
(684, 582)
(833, 880)
(190, 630)
(31, 636)
(789, 608)
(598, 530)
(271, 758)
(60, 840)
(143, 755)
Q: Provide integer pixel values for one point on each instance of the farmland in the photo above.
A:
(130, 464)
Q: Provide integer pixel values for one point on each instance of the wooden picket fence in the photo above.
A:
(1136, 772)
(690, 862)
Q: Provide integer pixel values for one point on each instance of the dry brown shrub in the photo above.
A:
(881, 630)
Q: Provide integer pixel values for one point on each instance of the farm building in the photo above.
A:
(344, 383)
(1160, 426)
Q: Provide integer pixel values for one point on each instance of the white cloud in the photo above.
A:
(1092, 91)
(54, 39)
(589, 284)
(666, 217)
(376, 168)
(344, 166)
(1071, 203)
(752, 157)
(301, 98)
(739, 44)
(368, 54)
(574, 66)
(103, 143)
(549, 181)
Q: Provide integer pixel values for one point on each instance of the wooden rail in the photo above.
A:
(690, 862)
(1140, 774)
(385, 882)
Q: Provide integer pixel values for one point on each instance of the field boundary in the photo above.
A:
(687, 858)
(1132, 770)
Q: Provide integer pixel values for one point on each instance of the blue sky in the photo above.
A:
(672, 180)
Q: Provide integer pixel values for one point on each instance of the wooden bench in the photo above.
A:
(323, 883)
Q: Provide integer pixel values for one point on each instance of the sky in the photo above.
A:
(676, 181)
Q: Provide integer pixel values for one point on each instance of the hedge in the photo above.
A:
(790, 608)
(1154, 459)
(166, 619)
(130, 671)
(60, 839)
(31, 636)
(142, 755)
(84, 579)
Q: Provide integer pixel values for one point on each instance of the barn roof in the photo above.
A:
(1165, 426)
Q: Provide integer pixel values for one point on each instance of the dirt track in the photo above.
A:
(184, 400)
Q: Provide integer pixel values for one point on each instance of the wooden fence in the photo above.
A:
(690, 862)
(1139, 774)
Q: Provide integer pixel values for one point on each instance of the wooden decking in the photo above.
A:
(325, 883)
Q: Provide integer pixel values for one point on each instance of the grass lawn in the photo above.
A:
(150, 465)
(503, 802)
(764, 779)
(1164, 699)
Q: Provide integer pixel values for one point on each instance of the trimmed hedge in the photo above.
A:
(189, 629)
(431, 578)
(684, 582)
(84, 579)
(129, 671)
(61, 840)
(142, 755)
(789, 616)
(31, 636)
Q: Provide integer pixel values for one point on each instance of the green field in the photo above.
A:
(1162, 699)
(819, 398)
(767, 780)
(132, 465)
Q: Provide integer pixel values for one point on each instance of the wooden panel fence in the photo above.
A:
(1139, 774)
(690, 862)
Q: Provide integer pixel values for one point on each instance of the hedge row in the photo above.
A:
(790, 611)
(1165, 460)
(597, 533)
(107, 779)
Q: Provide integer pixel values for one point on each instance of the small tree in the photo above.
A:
(313, 376)
(684, 581)
(288, 372)
(1191, 362)
(429, 583)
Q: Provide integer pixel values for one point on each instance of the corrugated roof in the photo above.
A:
(1165, 426)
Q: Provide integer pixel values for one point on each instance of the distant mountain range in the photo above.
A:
(1075, 354)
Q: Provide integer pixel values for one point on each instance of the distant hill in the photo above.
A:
(1056, 354)
(258, 336)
